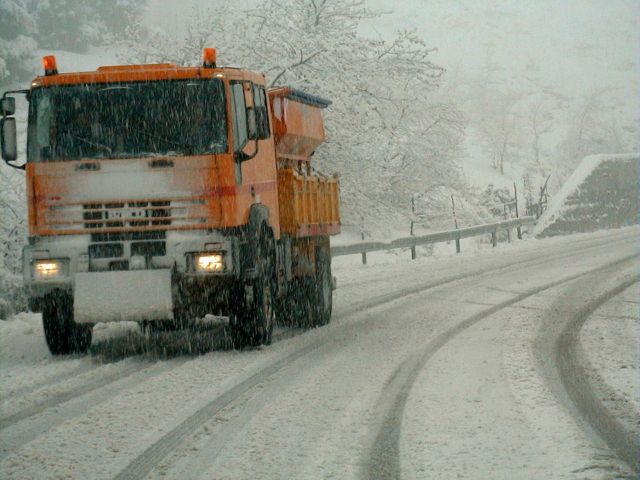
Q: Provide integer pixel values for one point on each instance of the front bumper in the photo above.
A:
(86, 270)
(117, 296)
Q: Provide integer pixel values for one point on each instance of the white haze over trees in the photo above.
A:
(26, 27)
(430, 99)
(72, 25)
(391, 129)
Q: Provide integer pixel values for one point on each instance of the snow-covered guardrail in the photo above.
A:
(412, 242)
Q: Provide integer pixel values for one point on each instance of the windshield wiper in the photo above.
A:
(187, 147)
(93, 144)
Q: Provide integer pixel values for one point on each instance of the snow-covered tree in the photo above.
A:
(391, 132)
(17, 45)
(595, 126)
(26, 25)
(75, 24)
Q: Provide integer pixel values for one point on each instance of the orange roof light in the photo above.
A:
(209, 58)
(49, 64)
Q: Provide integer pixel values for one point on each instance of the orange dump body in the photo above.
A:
(309, 204)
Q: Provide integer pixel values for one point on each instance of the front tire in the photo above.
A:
(62, 334)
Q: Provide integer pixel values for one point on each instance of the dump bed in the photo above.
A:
(308, 203)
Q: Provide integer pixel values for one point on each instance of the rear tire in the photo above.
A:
(301, 302)
(254, 321)
(323, 289)
(309, 301)
(62, 334)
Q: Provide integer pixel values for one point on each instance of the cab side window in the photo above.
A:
(240, 132)
(262, 116)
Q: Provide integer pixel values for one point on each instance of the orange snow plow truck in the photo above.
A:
(159, 194)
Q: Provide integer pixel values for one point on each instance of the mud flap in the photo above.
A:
(123, 296)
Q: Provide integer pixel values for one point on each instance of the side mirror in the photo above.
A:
(8, 106)
(252, 124)
(9, 144)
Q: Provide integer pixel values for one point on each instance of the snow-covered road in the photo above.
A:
(470, 366)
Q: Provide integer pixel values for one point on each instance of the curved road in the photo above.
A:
(447, 368)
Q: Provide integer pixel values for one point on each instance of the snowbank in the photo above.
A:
(609, 340)
(598, 181)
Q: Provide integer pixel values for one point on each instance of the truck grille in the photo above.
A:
(131, 214)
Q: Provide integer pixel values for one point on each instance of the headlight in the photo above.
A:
(209, 262)
(49, 269)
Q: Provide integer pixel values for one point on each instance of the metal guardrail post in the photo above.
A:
(494, 238)
(364, 252)
(455, 222)
(519, 228)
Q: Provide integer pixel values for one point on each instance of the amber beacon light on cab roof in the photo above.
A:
(159, 194)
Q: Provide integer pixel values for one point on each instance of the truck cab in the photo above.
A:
(155, 194)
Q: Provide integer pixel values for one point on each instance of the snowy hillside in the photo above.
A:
(603, 192)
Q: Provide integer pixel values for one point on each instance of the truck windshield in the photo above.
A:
(120, 120)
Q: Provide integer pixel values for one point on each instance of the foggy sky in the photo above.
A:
(575, 45)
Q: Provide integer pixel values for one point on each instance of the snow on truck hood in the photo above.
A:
(140, 193)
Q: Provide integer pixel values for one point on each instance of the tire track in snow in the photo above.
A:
(153, 455)
(142, 465)
(383, 458)
(112, 349)
(51, 381)
(421, 287)
(69, 405)
(371, 303)
(68, 395)
(573, 372)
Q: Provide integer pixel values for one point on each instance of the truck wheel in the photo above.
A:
(264, 313)
(62, 334)
(295, 309)
(284, 311)
(302, 301)
(323, 289)
(254, 324)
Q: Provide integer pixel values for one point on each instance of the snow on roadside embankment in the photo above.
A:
(609, 341)
(496, 416)
(601, 193)
(22, 340)
(25, 359)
